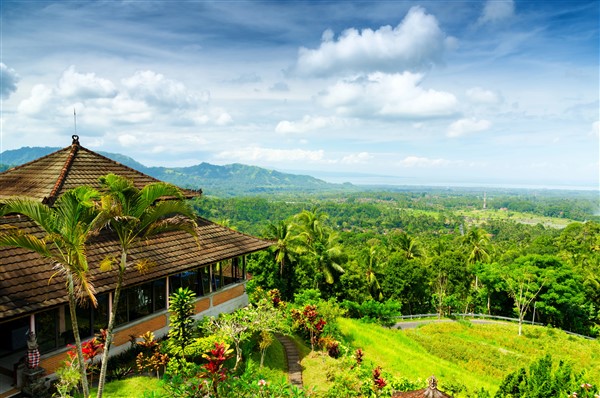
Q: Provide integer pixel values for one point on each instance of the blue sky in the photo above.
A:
(434, 92)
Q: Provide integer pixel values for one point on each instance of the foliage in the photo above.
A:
(543, 379)
(151, 359)
(136, 215)
(181, 323)
(68, 378)
(66, 226)
(309, 322)
(385, 313)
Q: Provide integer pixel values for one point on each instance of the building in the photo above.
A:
(32, 298)
(430, 392)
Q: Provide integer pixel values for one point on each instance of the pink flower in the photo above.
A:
(262, 383)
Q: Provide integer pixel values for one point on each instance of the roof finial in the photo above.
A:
(432, 382)
(75, 138)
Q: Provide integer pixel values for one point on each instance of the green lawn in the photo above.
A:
(459, 352)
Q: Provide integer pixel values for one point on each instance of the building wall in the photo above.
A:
(229, 299)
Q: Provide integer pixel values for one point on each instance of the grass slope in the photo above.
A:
(470, 354)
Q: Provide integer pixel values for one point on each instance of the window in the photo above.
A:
(47, 330)
(142, 300)
(196, 280)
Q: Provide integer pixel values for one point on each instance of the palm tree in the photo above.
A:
(372, 282)
(321, 244)
(287, 242)
(409, 246)
(66, 227)
(477, 242)
(312, 224)
(136, 214)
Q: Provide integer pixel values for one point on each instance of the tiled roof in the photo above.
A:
(26, 279)
(26, 283)
(48, 177)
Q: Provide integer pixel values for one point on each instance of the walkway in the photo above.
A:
(293, 360)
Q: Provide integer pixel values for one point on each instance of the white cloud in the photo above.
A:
(467, 126)
(356, 158)
(388, 95)
(154, 88)
(258, 154)
(307, 124)
(84, 85)
(38, 102)
(9, 79)
(482, 96)
(496, 10)
(415, 43)
(127, 140)
(420, 162)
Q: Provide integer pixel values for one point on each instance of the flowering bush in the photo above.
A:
(309, 321)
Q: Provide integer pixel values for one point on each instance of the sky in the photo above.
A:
(480, 93)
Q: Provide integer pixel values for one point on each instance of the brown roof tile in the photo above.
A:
(28, 282)
(25, 278)
(48, 177)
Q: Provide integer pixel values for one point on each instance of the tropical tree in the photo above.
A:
(287, 243)
(371, 269)
(523, 281)
(477, 243)
(320, 245)
(409, 246)
(134, 215)
(66, 226)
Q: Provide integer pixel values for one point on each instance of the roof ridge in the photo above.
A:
(49, 200)
(188, 192)
(34, 160)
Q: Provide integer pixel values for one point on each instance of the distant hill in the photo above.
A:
(229, 180)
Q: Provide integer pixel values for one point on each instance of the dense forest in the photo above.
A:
(431, 251)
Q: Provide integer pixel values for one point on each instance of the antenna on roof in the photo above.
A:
(75, 120)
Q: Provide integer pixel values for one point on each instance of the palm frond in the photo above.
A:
(23, 240)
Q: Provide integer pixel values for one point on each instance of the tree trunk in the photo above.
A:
(75, 326)
(111, 325)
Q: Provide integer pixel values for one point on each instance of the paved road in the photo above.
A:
(414, 324)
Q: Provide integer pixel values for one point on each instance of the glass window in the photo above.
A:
(100, 313)
(13, 335)
(47, 331)
(160, 294)
(140, 301)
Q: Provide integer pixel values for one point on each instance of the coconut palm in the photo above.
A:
(320, 244)
(312, 225)
(137, 214)
(477, 243)
(409, 246)
(66, 227)
(287, 243)
(372, 282)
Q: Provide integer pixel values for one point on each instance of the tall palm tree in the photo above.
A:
(287, 242)
(136, 214)
(409, 246)
(66, 227)
(477, 243)
(321, 244)
(372, 282)
(312, 224)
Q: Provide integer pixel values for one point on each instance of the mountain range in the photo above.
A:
(227, 180)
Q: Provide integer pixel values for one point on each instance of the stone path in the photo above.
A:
(293, 360)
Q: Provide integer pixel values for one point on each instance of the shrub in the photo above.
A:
(385, 313)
